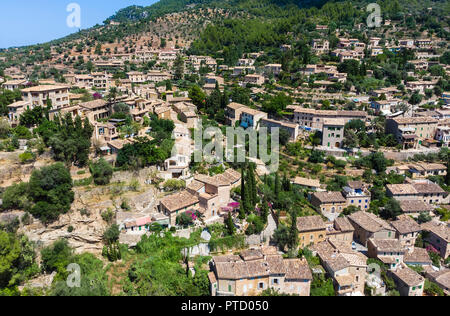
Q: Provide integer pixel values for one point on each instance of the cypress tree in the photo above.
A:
(230, 225)
(447, 177)
(293, 232)
(252, 190)
(286, 183)
(265, 210)
(277, 189)
(242, 187)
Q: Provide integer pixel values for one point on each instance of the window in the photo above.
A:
(261, 285)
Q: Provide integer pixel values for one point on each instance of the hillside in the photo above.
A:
(221, 29)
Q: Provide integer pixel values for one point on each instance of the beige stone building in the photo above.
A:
(346, 266)
(389, 251)
(424, 170)
(341, 230)
(255, 270)
(357, 194)
(330, 204)
(426, 191)
(412, 131)
(255, 79)
(409, 282)
(406, 231)
(368, 225)
(38, 96)
(438, 236)
(314, 119)
(311, 230)
(333, 132)
(205, 194)
(96, 110)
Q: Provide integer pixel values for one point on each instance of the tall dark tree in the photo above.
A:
(178, 66)
(293, 232)
(230, 225)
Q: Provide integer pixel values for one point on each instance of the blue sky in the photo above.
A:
(25, 22)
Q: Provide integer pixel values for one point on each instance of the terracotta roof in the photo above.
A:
(355, 258)
(179, 201)
(307, 182)
(297, 269)
(344, 280)
(161, 109)
(337, 262)
(414, 206)
(93, 104)
(276, 264)
(343, 224)
(232, 270)
(414, 120)
(252, 263)
(212, 278)
(235, 105)
(227, 178)
(401, 189)
(441, 230)
(406, 225)
(428, 166)
(330, 197)
(44, 88)
(309, 223)
(428, 188)
(195, 186)
(251, 254)
(442, 277)
(387, 245)
(419, 255)
(334, 121)
(369, 222)
(409, 276)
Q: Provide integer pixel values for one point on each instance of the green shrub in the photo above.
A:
(101, 171)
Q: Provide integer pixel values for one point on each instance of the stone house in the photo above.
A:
(406, 231)
(311, 230)
(427, 191)
(368, 225)
(333, 132)
(255, 270)
(205, 194)
(346, 266)
(341, 230)
(438, 235)
(330, 204)
(411, 131)
(408, 281)
(389, 251)
(357, 194)
(424, 170)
